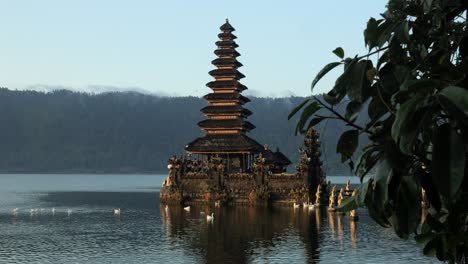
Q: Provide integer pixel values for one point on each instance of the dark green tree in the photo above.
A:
(412, 87)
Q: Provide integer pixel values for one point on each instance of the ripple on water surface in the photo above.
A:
(144, 232)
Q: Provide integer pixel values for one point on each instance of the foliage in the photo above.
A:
(415, 84)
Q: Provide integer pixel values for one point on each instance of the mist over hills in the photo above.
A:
(130, 132)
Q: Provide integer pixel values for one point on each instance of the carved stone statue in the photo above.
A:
(340, 197)
(352, 214)
(348, 186)
(331, 203)
(317, 195)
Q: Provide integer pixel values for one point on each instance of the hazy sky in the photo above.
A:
(166, 47)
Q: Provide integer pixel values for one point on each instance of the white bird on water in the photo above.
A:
(116, 211)
(217, 203)
(187, 208)
(311, 207)
(210, 217)
(295, 205)
(69, 211)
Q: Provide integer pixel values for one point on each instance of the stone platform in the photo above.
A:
(238, 188)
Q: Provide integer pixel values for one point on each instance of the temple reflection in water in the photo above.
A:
(243, 233)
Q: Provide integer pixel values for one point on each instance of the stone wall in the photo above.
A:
(237, 188)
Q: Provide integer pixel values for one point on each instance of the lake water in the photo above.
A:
(147, 233)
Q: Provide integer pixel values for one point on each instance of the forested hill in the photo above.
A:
(66, 131)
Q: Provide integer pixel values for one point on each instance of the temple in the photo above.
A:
(225, 164)
(226, 125)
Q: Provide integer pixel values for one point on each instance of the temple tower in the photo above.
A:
(225, 124)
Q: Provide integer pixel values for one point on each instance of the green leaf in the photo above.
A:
(339, 52)
(315, 121)
(402, 32)
(352, 111)
(423, 86)
(337, 94)
(407, 206)
(333, 98)
(339, 90)
(371, 33)
(376, 109)
(377, 200)
(453, 111)
(405, 114)
(423, 239)
(366, 162)
(297, 108)
(458, 96)
(347, 144)
(358, 88)
(384, 32)
(432, 223)
(431, 248)
(409, 132)
(384, 58)
(348, 204)
(306, 114)
(362, 193)
(392, 77)
(448, 161)
(427, 5)
(441, 248)
(405, 28)
(324, 71)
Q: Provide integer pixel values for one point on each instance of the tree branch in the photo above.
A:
(340, 117)
(372, 53)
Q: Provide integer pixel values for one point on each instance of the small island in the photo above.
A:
(226, 165)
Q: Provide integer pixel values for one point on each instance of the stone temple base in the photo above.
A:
(245, 188)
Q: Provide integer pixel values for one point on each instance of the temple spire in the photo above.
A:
(225, 113)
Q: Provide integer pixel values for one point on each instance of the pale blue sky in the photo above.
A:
(166, 47)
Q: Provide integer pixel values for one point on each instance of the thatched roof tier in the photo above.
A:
(268, 155)
(224, 144)
(275, 157)
(235, 109)
(281, 158)
(227, 52)
(226, 97)
(226, 27)
(227, 36)
(227, 44)
(227, 73)
(226, 126)
(226, 123)
(226, 62)
(234, 84)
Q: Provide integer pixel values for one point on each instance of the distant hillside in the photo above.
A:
(65, 131)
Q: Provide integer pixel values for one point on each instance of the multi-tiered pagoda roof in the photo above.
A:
(226, 125)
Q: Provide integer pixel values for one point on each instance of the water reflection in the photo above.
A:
(280, 234)
(238, 233)
(352, 229)
(340, 229)
(145, 232)
(331, 221)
